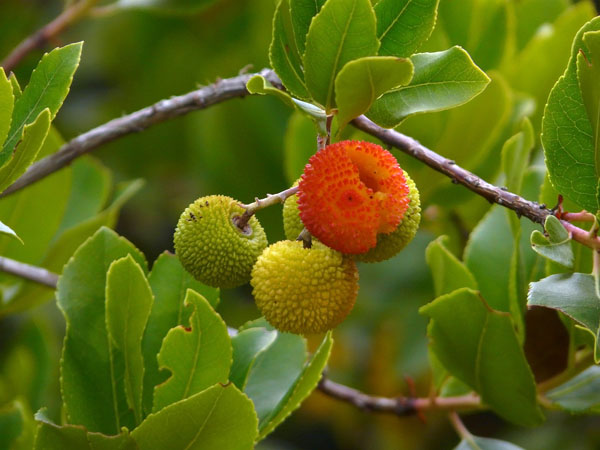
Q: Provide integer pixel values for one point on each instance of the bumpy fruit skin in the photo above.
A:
(213, 249)
(304, 290)
(388, 245)
(292, 225)
(350, 192)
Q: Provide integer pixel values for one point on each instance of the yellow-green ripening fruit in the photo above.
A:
(390, 244)
(304, 290)
(212, 248)
(292, 225)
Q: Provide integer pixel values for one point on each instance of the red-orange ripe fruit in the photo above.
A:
(349, 192)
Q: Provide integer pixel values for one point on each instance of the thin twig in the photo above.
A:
(218, 92)
(400, 406)
(596, 5)
(29, 272)
(47, 33)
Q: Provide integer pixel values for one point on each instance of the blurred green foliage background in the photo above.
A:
(135, 58)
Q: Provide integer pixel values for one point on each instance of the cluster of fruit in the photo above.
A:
(356, 203)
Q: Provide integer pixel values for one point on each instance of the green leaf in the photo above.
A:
(274, 373)
(92, 185)
(27, 149)
(588, 73)
(556, 246)
(568, 136)
(16, 87)
(302, 13)
(488, 256)
(128, 303)
(283, 53)
(360, 82)
(219, 418)
(248, 345)
(342, 31)
(441, 80)
(314, 113)
(479, 346)
(63, 247)
(164, 6)
(22, 211)
(7, 100)
(197, 357)
(6, 230)
(480, 443)
(448, 272)
(299, 144)
(47, 88)
(573, 294)
(89, 395)
(515, 157)
(581, 394)
(491, 33)
(307, 382)
(169, 282)
(470, 134)
(259, 85)
(454, 387)
(403, 25)
(554, 38)
(60, 437)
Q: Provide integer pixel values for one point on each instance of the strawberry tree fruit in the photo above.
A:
(304, 290)
(211, 245)
(390, 244)
(349, 193)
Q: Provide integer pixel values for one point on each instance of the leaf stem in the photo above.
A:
(70, 15)
(324, 141)
(461, 429)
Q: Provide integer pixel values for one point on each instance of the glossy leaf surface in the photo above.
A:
(441, 80)
(480, 349)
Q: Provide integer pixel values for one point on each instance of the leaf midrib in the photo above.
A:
(337, 57)
(479, 352)
(206, 419)
(395, 20)
(24, 121)
(196, 355)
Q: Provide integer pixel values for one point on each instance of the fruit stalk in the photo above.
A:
(261, 203)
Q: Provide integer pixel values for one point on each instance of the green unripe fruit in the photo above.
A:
(212, 248)
(304, 290)
(390, 244)
(292, 225)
